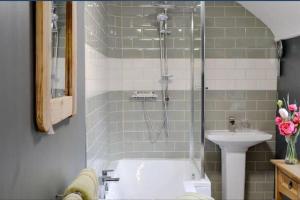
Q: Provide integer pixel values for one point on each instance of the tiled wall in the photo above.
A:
(96, 25)
(220, 74)
(116, 134)
(140, 35)
(96, 70)
(97, 129)
(232, 31)
(133, 140)
(241, 74)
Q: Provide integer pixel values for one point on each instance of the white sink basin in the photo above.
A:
(239, 140)
(234, 146)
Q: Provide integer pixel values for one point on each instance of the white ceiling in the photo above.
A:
(282, 17)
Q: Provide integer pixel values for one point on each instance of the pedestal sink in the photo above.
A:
(234, 146)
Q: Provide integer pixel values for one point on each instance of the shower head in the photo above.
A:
(54, 20)
(162, 17)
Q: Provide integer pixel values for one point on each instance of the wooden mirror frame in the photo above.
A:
(50, 111)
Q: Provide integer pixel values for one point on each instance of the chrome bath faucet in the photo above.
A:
(103, 182)
(231, 123)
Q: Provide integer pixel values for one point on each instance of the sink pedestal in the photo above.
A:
(233, 174)
(234, 146)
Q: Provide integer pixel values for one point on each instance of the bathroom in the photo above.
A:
(170, 99)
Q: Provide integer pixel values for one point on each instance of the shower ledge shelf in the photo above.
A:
(234, 146)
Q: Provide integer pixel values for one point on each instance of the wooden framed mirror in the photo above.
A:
(55, 63)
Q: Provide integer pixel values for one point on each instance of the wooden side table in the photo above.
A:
(287, 180)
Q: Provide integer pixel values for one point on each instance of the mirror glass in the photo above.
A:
(58, 71)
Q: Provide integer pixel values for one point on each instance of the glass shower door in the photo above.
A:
(197, 88)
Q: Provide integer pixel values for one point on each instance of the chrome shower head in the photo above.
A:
(162, 17)
(54, 20)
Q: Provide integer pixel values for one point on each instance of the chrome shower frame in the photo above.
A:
(203, 88)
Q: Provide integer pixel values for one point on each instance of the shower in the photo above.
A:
(163, 32)
(151, 117)
(194, 51)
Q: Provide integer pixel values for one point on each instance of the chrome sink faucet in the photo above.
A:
(103, 180)
(232, 124)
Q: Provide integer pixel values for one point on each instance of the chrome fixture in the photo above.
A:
(162, 22)
(231, 123)
(103, 180)
(54, 20)
(162, 17)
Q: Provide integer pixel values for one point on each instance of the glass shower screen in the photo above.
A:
(197, 89)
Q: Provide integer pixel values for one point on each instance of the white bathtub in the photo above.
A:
(155, 179)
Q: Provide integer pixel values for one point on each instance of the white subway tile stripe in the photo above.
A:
(96, 71)
(220, 74)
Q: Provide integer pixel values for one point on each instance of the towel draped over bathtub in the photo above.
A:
(86, 184)
(72, 196)
(194, 196)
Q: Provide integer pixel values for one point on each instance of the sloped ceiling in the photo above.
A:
(282, 17)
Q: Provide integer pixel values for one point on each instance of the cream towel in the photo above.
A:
(72, 196)
(86, 184)
(92, 174)
(194, 196)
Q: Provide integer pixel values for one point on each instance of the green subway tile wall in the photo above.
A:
(231, 31)
(97, 107)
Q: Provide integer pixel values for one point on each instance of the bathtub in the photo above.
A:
(155, 179)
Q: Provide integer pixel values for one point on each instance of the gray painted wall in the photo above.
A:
(288, 84)
(33, 166)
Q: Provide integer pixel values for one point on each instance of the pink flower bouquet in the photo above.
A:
(288, 123)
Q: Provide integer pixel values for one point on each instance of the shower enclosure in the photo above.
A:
(155, 57)
(166, 15)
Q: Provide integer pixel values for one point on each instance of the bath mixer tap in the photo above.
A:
(105, 172)
(231, 123)
(108, 179)
(103, 180)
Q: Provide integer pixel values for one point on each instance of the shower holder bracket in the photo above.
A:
(166, 77)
